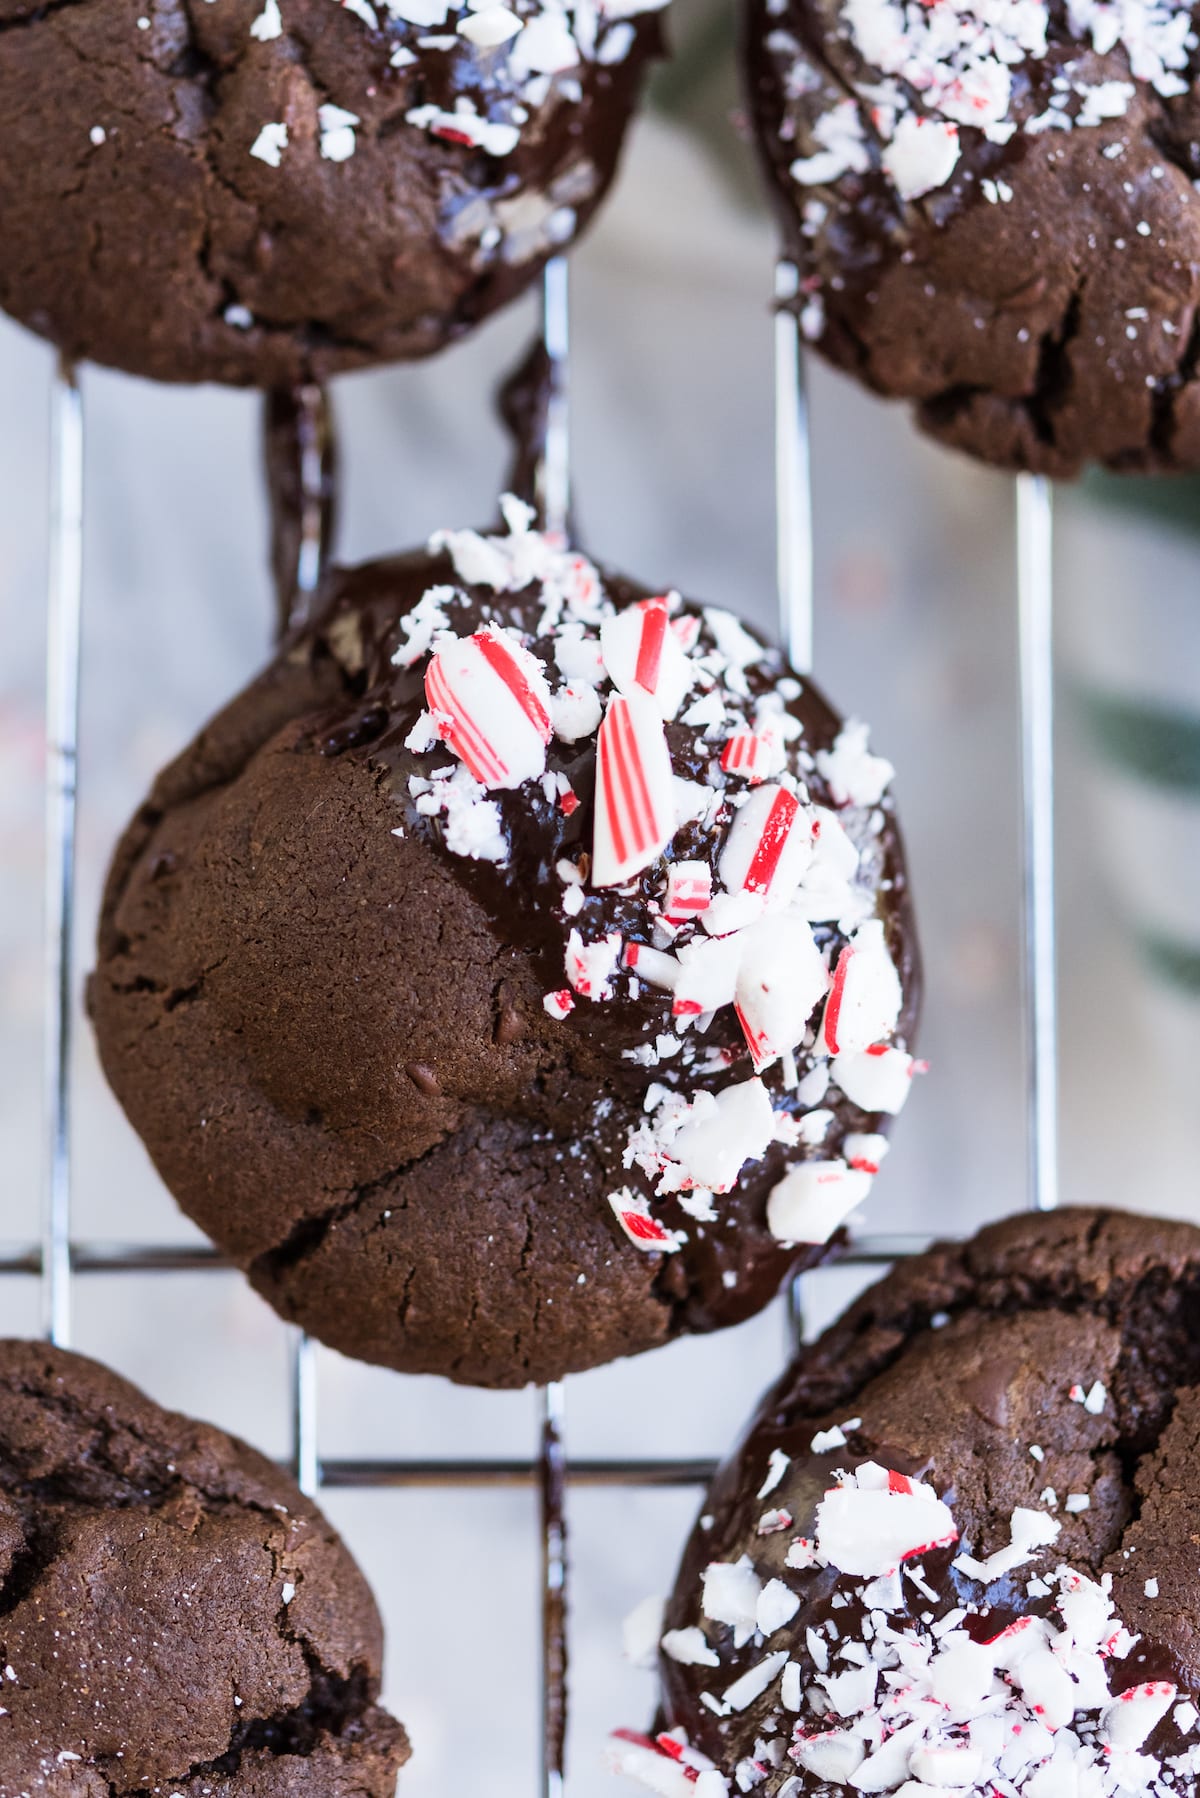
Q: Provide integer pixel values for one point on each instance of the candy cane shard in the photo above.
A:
(491, 706)
(769, 845)
(864, 995)
(689, 891)
(749, 755)
(877, 1519)
(643, 655)
(632, 1211)
(635, 795)
(829, 888)
(781, 980)
(877, 1079)
(708, 972)
(813, 1199)
(1125, 1724)
(724, 1131)
(664, 1765)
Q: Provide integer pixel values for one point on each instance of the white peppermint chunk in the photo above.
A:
(865, 995)
(495, 25)
(777, 1605)
(867, 1529)
(734, 1127)
(730, 1595)
(754, 1683)
(813, 1199)
(337, 132)
(690, 1647)
(270, 144)
(922, 155)
(877, 1079)
(854, 776)
(781, 979)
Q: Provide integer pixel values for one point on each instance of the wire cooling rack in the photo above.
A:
(59, 1258)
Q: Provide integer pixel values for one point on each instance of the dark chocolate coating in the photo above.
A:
(332, 1039)
(1024, 1310)
(150, 1640)
(1045, 331)
(130, 251)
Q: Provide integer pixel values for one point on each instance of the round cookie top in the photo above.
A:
(177, 1617)
(533, 959)
(268, 191)
(993, 214)
(954, 1548)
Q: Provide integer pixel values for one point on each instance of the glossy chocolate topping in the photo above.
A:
(484, 1030)
(993, 214)
(268, 191)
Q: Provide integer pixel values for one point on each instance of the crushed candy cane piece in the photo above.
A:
(814, 1199)
(723, 1132)
(864, 994)
(769, 845)
(632, 1212)
(642, 654)
(781, 979)
(876, 1519)
(689, 891)
(491, 705)
(635, 801)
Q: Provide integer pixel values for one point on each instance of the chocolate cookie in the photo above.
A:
(993, 211)
(176, 1617)
(519, 973)
(957, 1546)
(268, 191)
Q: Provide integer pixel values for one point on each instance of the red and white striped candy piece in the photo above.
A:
(632, 1211)
(781, 980)
(1125, 1724)
(751, 755)
(560, 1004)
(654, 966)
(491, 705)
(877, 1079)
(813, 1198)
(769, 845)
(864, 995)
(635, 796)
(876, 1519)
(644, 655)
(689, 891)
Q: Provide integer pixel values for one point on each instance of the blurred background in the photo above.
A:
(916, 631)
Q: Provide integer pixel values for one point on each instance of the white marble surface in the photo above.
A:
(915, 631)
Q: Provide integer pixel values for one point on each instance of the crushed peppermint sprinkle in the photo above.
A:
(930, 68)
(767, 916)
(270, 144)
(892, 1698)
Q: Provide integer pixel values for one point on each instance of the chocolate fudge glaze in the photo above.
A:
(174, 1615)
(1051, 326)
(332, 1040)
(955, 1364)
(141, 232)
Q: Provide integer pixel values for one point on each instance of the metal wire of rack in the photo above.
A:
(57, 1257)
